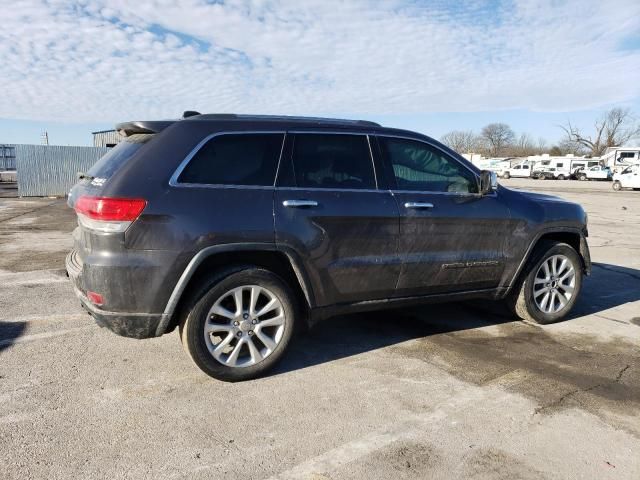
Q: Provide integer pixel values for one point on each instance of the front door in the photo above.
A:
(632, 179)
(451, 237)
(329, 211)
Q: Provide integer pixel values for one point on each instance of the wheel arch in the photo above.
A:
(210, 259)
(572, 237)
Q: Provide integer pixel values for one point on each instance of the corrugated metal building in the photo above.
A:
(106, 138)
(51, 170)
(7, 157)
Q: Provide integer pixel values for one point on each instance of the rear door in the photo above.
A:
(330, 213)
(451, 237)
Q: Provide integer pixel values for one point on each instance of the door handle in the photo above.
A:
(300, 203)
(423, 205)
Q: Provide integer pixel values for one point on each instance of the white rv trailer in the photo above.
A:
(559, 166)
(562, 167)
(618, 158)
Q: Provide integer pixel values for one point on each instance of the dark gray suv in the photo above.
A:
(239, 230)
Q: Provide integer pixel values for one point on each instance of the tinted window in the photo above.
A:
(236, 159)
(526, 167)
(333, 161)
(418, 166)
(118, 155)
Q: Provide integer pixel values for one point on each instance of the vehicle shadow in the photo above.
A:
(608, 286)
(347, 335)
(9, 332)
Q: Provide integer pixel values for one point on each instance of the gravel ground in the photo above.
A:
(446, 391)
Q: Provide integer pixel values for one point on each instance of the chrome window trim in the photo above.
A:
(173, 181)
(316, 189)
(222, 186)
(316, 131)
(457, 194)
(447, 154)
(347, 132)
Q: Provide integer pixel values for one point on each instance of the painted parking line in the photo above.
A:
(59, 317)
(332, 460)
(36, 277)
(42, 336)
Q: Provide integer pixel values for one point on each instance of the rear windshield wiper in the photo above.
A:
(85, 176)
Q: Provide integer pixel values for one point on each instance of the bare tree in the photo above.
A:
(569, 146)
(461, 141)
(565, 147)
(498, 136)
(542, 145)
(525, 145)
(614, 128)
(556, 151)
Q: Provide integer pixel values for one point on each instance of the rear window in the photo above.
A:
(236, 159)
(111, 161)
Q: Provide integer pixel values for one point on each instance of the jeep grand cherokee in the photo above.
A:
(240, 229)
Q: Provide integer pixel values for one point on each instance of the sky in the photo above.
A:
(432, 66)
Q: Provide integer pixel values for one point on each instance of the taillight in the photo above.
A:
(110, 209)
(108, 214)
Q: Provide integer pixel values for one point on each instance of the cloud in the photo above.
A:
(109, 60)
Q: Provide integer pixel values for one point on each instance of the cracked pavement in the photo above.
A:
(441, 391)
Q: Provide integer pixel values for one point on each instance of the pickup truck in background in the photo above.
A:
(597, 172)
(628, 178)
(522, 170)
(550, 173)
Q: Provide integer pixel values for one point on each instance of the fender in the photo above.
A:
(205, 253)
(583, 252)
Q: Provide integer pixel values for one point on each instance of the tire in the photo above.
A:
(617, 186)
(560, 177)
(522, 299)
(506, 175)
(582, 177)
(219, 292)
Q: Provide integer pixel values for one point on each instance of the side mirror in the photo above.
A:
(488, 182)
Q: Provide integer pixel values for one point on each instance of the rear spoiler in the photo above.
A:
(131, 128)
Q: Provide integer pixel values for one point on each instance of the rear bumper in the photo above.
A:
(586, 255)
(133, 325)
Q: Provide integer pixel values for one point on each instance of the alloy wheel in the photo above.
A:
(244, 326)
(554, 284)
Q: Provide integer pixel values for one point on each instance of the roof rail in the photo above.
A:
(285, 118)
(155, 126)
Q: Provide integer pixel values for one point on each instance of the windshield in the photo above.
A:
(110, 162)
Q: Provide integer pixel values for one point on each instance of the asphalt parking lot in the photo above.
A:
(446, 391)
